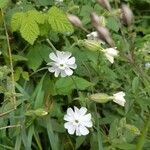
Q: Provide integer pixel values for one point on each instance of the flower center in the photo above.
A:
(61, 66)
(76, 122)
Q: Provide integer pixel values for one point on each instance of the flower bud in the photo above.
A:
(133, 129)
(38, 112)
(75, 20)
(102, 21)
(105, 4)
(95, 19)
(105, 35)
(100, 97)
(127, 15)
(91, 45)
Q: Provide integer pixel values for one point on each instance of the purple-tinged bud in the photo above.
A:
(95, 19)
(75, 21)
(104, 35)
(105, 4)
(127, 15)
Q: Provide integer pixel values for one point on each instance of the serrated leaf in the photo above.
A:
(16, 21)
(27, 24)
(3, 3)
(65, 85)
(59, 21)
(29, 30)
(36, 16)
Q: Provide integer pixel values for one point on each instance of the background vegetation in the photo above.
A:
(33, 102)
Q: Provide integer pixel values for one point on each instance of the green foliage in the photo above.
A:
(58, 21)
(3, 3)
(37, 55)
(28, 23)
(32, 114)
(66, 85)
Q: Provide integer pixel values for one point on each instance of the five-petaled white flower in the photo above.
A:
(110, 53)
(62, 64)
(78, 121)
(119, 98)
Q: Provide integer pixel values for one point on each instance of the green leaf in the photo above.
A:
(67, 84)
(3, 3)
(37, 54)
(135, 84)
(29, 30)
(113, 24)
(79, 142)
(34, 58)
(16, 21)
(59, 21)
(124, 146)
(19, 58)
(28, 24)
(36, 16)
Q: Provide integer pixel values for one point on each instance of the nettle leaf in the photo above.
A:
(36, 16)
(59, 21)
(29, 30)
(3, 3)
(66, 85)
(16, 21)
(28, 24)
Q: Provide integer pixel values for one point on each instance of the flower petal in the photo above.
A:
(63, 74)
(68, 71)
(53, 56)
(74, 66)
(68, 118)
(83, 130)
(71, 128)
(66, 55)
(51, 69)
(86, 117)
(83, 111)
(71, 61)
(70, 111)
(88, 124)
(110, 58)
(57, 72)
(78, 133)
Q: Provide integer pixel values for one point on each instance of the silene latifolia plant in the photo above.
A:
(74, 75)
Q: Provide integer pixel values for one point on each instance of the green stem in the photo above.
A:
(11, 61)
(141, 140)
(51, 45)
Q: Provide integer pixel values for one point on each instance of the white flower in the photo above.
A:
(110, 53)
(147, 65)
(92, 36)
(119, 98)
(78, 121)
(62, 64)
(59, 1)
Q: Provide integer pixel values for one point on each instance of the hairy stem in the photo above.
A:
(141, 140)
(10, 58)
